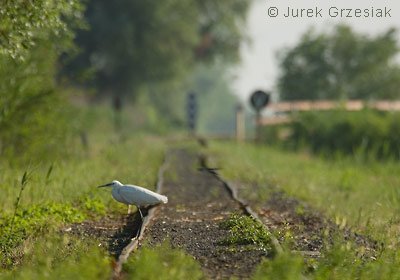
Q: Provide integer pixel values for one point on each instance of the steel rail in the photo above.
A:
(243, 204)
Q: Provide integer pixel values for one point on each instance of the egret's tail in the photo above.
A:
(164, 199)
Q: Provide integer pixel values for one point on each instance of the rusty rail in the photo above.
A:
(243, 204)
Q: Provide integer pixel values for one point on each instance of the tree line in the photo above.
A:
(118, 49)
(341, 64)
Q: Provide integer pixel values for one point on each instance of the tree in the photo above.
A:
(216, 101)
(32, 36)
(134, 43)
(23, 22)
(220, 27)
(341, 65)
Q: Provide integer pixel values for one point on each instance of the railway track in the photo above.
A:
(199, 199)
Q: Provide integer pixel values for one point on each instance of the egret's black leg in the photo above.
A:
(141, 223)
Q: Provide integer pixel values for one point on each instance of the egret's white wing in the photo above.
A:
(117, 196)
(140, 196)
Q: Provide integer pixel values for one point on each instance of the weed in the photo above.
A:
(337, 187)
(49, 171)
(24, 181)
(33, 221)
(246, 231)
(94, 205)
(300, 210)
(284, 267)
(62, 257)
(162, 262)
(363, 196)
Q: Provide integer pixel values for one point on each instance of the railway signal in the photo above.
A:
(259, 99)
(191, 112)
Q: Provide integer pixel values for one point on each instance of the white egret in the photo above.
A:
(135, 195)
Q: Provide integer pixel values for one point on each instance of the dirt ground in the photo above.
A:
(307, 229)
(113, 233)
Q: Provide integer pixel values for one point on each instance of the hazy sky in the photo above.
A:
(271, 32)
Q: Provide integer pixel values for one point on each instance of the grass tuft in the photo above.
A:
(162, 262)
(246, 231)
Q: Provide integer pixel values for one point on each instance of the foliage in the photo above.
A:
(162, 262)
(133, 44)
(23, 22)
(62, 257)
(221, 29)
(27, 93)
(338, 262)
(134, 41)
(34, 221)
(246, 231)
(215, 100)
(64, 191)
(161, 108)
(365, 194)
(284, 266)
(341, 65)
(24, 181)
(32, 113)
(364, 133)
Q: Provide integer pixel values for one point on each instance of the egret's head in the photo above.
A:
(114, 183)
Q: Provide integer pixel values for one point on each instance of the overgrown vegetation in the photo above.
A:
(33, 112)
(365, 194)
(29, 104)
(61, 257)
(162, 262)
(244, 230)
(342, 261)
(365, 135)
(340, 64)
(37, 220)
(65, 192)
(359, 196)
(23, 23)
(153, 44)
(67, 143)
(67, 146)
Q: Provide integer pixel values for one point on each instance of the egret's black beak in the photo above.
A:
(106, 185)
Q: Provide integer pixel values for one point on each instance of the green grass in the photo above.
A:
(244, 230)
(365, 195)
(61, 257)
(337, 263)
(283, 267)
(60, 191)
(135, 160)
(362, 196)
(65, 191)
(162, 262)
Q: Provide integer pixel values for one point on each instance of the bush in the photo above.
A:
(369, 133)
